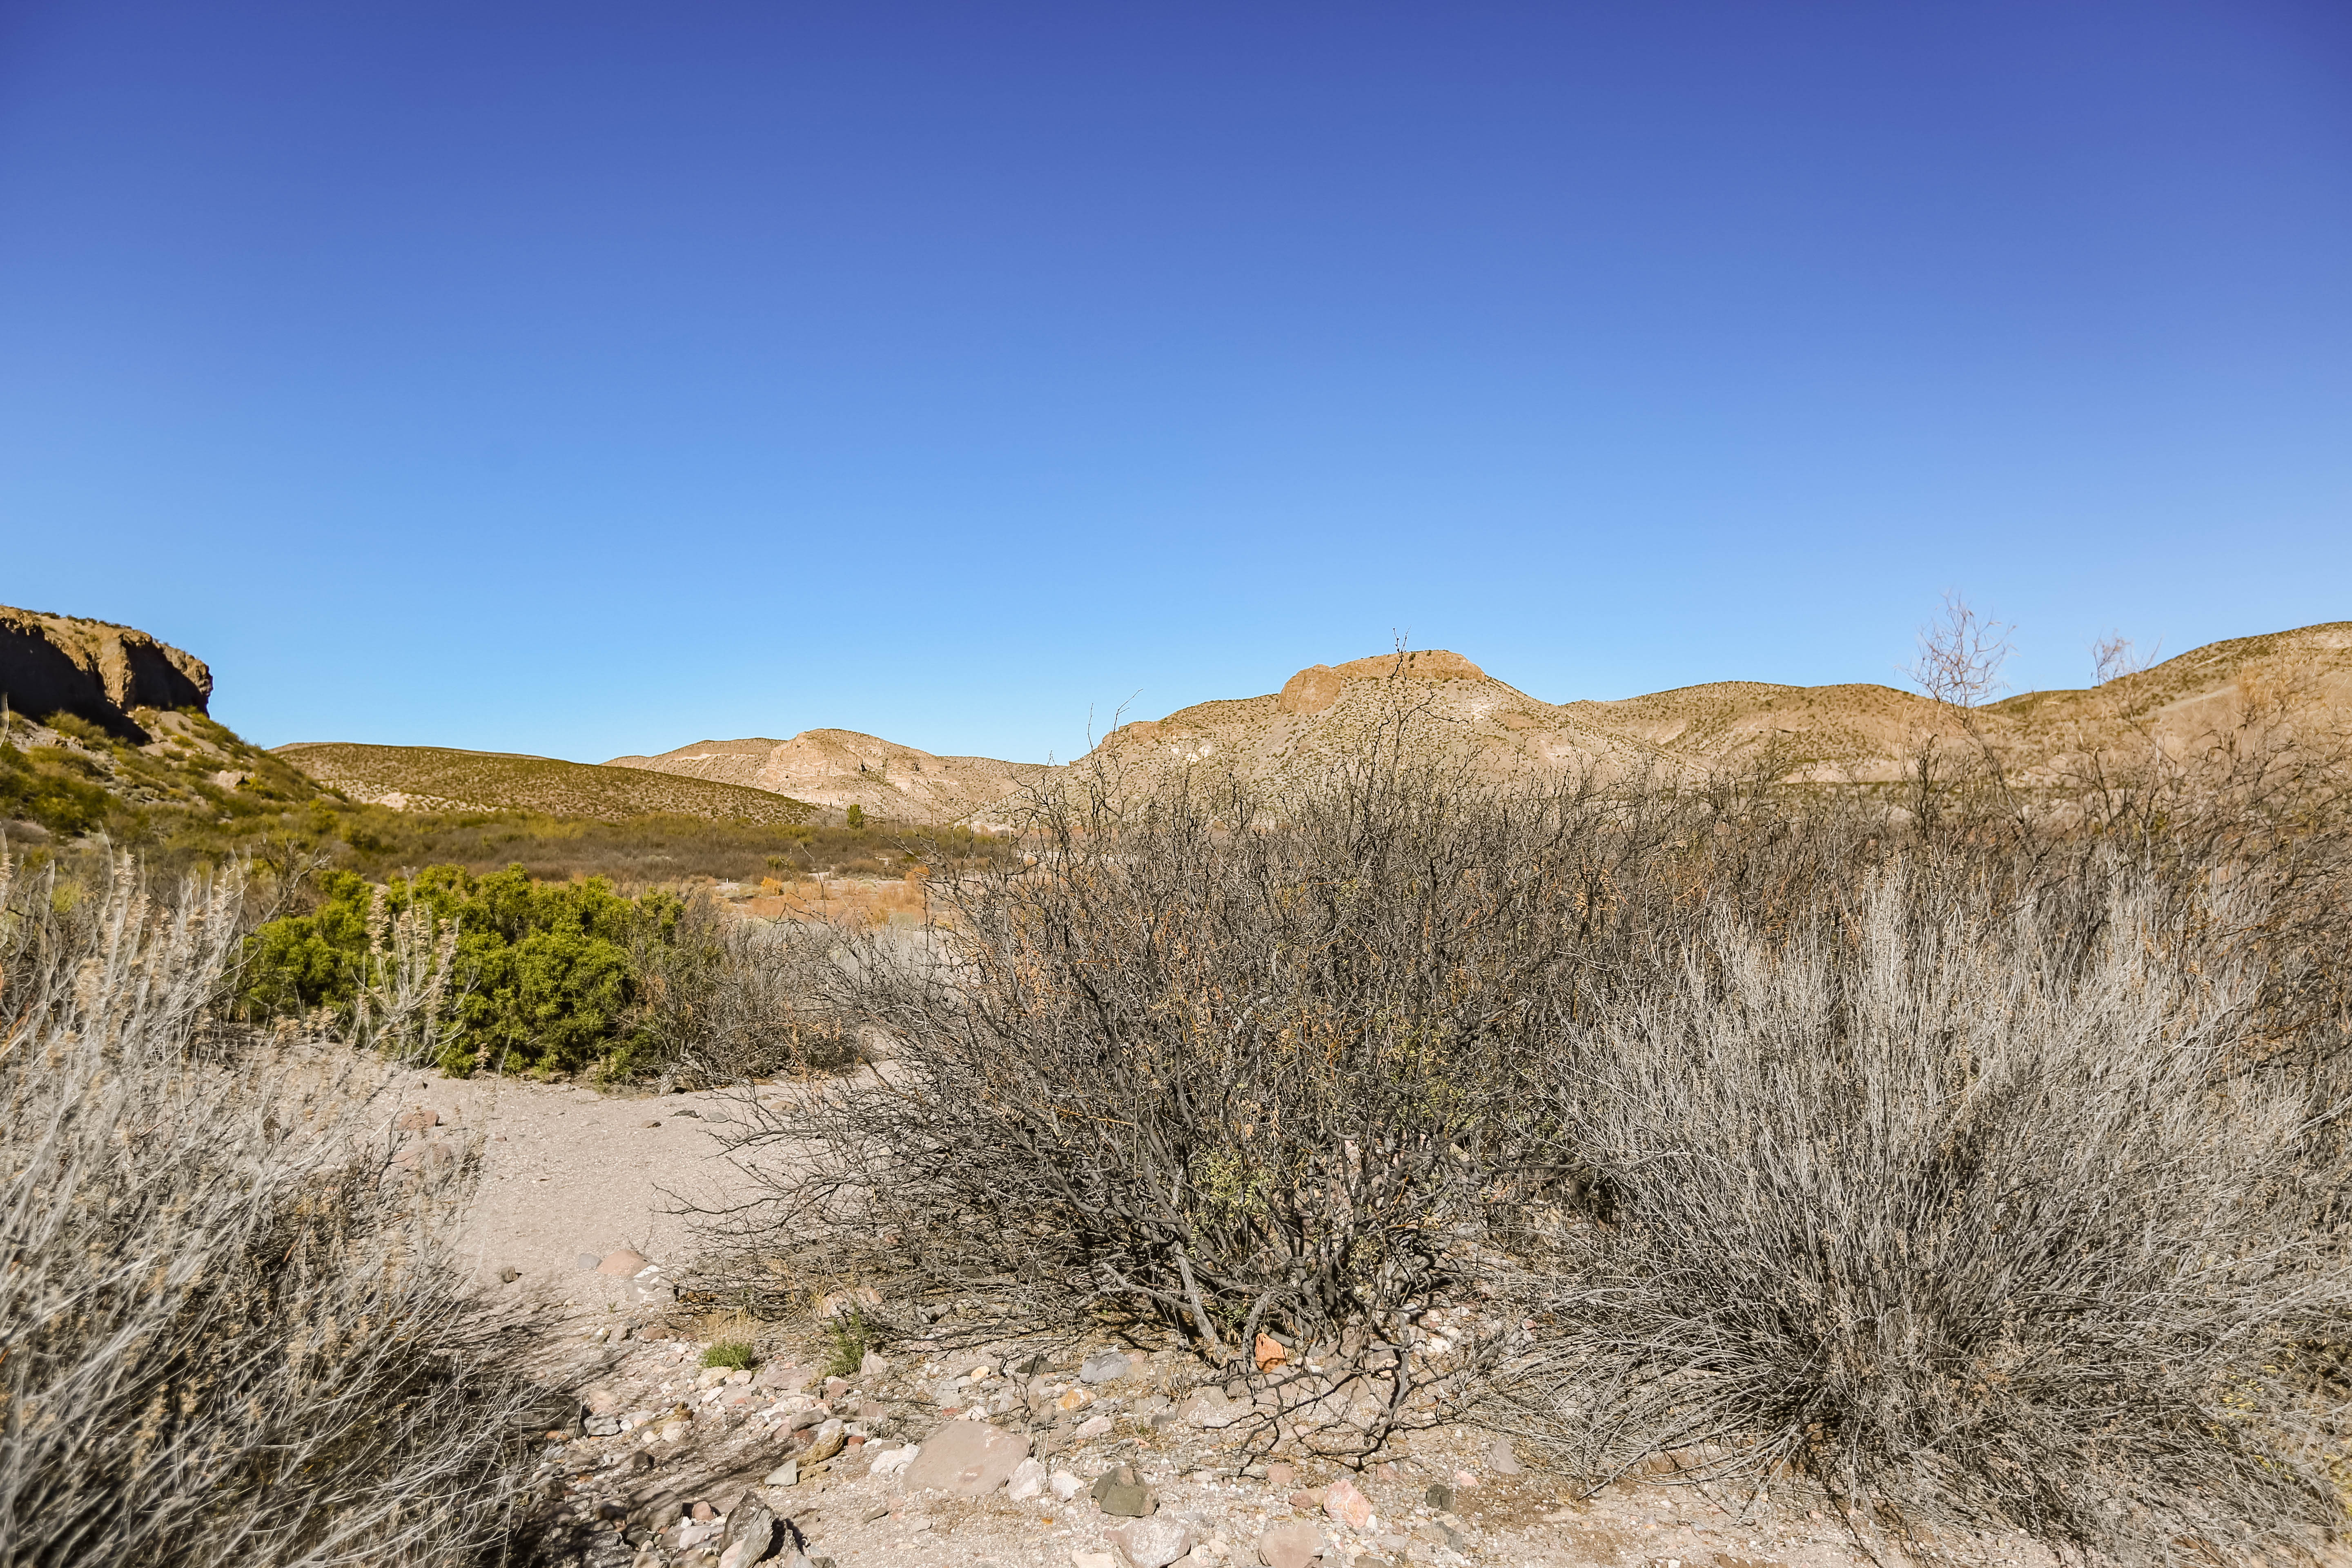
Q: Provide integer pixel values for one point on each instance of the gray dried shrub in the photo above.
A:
(230, 1332)
(1979, 1213)
(1231, 1059)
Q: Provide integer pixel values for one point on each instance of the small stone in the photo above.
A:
(787, 1474)
(1028, 1480)
(653, 1123)
(702, 1512)
(584, 1262)
(1269, 1353)
(510, 1274)
(1076, 1399)
(640, 1463)
(1121, 1492)
(826, 1445)
(1344, 1502)
(1092, 1428)
(622, 1263)
(1440, 1497)
(1104, 1366)
(418, 1119)
(784, 1376)
(1281, 1473)
(835, 1387)
(1500, 1458)
(1065, 1484)
(1308, 1501)
(1151, 1542)
(752, 1531)
(1293, 1545)
(1093, 1560)
(872, 1366)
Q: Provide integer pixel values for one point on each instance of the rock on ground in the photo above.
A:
(966, 1458)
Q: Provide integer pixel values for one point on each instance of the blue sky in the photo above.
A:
(591, 378)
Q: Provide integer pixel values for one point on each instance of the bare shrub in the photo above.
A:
(721, 999)
(1231, 1059)
(1976, 1211)
(230, 1331)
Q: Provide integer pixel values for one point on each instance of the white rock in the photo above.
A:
(1028, 1480)
(895, 1461)
(1093, 1426)
(1066, 1486)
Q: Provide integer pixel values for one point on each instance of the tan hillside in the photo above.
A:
(1830, 735)
(441, 778)
(842, 768)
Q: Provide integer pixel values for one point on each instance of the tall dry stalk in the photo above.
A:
(231, 1332)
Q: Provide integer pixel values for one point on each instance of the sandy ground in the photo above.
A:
(571, 1176)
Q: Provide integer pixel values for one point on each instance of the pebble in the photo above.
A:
(1152, 1542)
(624, 1262)
(1028, 1480)
(1293, 1545)
(1343, 1501)
(1500, 1457)
(1104, 1366)
(1121, 1492)
(1093, 1426)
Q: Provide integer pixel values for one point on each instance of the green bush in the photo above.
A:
(544, 976)
(732, 1354)
(53, 787)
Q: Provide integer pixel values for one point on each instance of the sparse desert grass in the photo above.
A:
(231, 1332)
(440, 777)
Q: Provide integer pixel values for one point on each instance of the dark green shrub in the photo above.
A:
(543, 977)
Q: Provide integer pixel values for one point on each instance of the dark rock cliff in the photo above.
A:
(94, 669)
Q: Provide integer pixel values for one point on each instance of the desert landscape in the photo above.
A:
(1524, 1146)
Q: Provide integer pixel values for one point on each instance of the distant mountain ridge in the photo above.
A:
(1855, 733)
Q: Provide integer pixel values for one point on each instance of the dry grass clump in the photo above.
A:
(230, 1331)
(1977, 1211)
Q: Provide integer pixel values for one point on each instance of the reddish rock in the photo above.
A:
(1344, 1502)
(622, 1263)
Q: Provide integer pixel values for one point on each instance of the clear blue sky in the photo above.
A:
(584, 378)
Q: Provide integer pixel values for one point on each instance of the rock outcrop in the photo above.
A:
(94, 670)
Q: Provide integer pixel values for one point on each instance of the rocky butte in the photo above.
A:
(94, 669)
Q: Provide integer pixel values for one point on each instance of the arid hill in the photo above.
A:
(842, 768)
(440, 778)
(95, 670)
(1829, 735)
